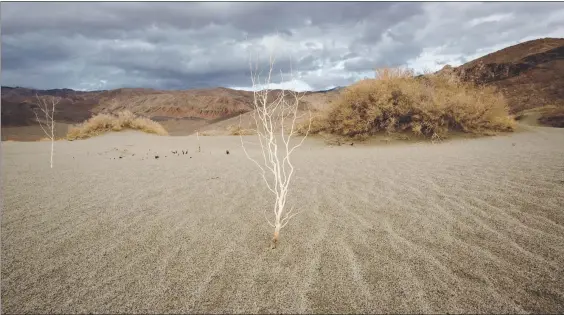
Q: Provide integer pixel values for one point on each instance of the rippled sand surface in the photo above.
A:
(463, 226)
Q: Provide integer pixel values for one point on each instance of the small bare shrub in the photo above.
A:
(103, 123)
(47, 106)
(271, 115)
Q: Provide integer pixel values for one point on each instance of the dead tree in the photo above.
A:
(270, 114)
(47, 106)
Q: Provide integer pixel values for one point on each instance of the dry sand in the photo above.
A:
(32, 133)
(464, 226)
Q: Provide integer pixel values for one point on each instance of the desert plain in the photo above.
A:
(462, 226)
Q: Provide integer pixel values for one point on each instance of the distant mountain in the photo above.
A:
(530, 74)
(18, 105)
(77, 106)
(335, 89)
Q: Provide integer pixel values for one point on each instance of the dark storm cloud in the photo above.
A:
(23, 57)
(187, 45)
(250, 17)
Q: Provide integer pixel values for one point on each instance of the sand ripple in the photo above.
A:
(471, 226)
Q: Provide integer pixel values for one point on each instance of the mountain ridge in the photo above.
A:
(529, 74)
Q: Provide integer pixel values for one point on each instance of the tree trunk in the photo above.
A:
(276, 233)
(52, 147)
(52, 136)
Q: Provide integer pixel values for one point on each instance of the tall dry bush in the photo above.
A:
(103, 123)
(430, 106)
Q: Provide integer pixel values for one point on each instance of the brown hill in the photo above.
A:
(530, 74)
(18, 105)
(199, 104)
(208, 104)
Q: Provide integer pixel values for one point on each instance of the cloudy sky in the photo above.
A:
(90, 46)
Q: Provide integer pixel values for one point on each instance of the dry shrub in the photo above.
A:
(429, 106)
(239, 131)
(317, 125)
(103, 123)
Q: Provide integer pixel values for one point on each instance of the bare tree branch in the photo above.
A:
(271, 113)
(47, 106)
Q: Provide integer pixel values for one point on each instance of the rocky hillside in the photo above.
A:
(18, 105)
(208, 104)
(530, 74)
(203, 104)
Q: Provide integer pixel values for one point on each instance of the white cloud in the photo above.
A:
(490, 18)
(293, 85)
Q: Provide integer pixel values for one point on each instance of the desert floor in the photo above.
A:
(473, 225)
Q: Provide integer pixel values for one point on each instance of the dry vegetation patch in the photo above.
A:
(103, 123)
(240, 131)
(397, 101)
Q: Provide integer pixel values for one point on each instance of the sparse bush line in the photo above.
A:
(103, 123)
